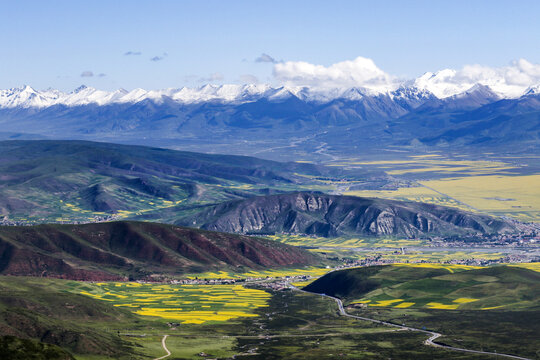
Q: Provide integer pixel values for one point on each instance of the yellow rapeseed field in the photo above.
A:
(515, 196)
(187, 304)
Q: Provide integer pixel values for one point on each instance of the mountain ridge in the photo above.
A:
(27, 97)
(118, 250)
(272, 120)
(335, 215)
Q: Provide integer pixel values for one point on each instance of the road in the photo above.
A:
(164, 348)
(433, 335)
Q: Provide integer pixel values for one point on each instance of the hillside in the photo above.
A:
(118, 250)
(332, 215)
(70, 181)
(434, 286)
(494, 308)
(37, 316)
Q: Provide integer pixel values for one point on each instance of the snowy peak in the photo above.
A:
(24, 96)
(428, 87)
(533, 90)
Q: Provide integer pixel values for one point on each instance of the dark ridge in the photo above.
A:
(119, 250)
(333, 215)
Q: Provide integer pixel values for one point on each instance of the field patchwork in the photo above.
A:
(187, 304)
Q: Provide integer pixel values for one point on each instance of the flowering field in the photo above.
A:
(186, 304)
(311, 271)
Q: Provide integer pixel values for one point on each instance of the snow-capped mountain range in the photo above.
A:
(427, 86)
(260, 119)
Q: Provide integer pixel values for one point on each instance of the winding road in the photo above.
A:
(164, 348)
(433, 335)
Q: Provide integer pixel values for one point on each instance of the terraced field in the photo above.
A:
(414, 193)
(433, 163)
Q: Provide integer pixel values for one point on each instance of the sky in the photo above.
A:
(162, 44)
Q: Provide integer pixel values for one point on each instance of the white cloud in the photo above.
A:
(87, 73)
(508, 81)
(360, 72)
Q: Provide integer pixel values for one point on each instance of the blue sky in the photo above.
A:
(52, 43)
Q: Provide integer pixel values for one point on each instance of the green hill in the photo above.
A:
(41, 311)
(59, 181)
(434, 287)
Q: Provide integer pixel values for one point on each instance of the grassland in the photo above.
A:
(437, 286)
(492, 309)
(293, 325)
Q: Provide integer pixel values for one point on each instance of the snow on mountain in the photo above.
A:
(441, 85)
(448, 82)
(533, 90)
(26, 97)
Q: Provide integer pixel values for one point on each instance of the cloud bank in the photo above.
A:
(512, 80)
(509, 81)
(360, 72)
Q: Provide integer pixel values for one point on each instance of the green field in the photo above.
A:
(293, 325)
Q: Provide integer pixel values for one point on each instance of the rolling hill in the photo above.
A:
(332, 215)
(122, 250)
(478, 308)
(78, 181)
(434, 287)
(39, 319)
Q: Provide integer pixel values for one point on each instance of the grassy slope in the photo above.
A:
(485, 288)
(511, 328)
(78, 180)
(294, 326)
(13, 348)
(41, 309)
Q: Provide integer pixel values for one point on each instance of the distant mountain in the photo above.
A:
(117, 250)
(333, 215)
(279, 122)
